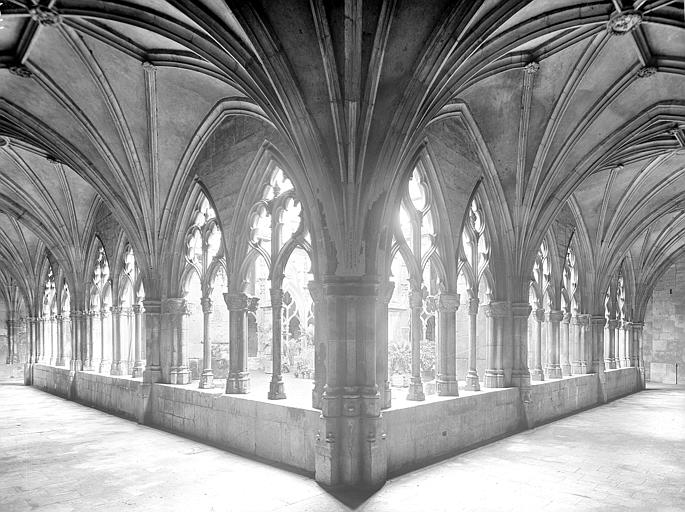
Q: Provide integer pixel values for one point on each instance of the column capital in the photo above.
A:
(521, 309)
(235, 301)
(316, 291)
(555, 316)
(474, 302)
(612, 323)
(385, 291)
(539, 315)
(499, 309)
(152, 306)
(105, 313)
(252, 304)
(77, 313)
(448, 302)
(207, 305)
(566, 318)
(598, 320)
(175, 306)
(116, 310)
(638, 326)
(415, 299)
(625, 325)
(582, 320)
(137, 309)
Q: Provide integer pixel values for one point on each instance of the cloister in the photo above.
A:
(351, 238)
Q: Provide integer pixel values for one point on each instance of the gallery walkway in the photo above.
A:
(56, 455)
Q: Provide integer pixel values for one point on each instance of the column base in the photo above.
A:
(610, 363)
(118, 368)
(138, 369)
(490, 379)
(276, 390)
(75, 365)
(472, 381)
(238, 384)
(60, 362)
(416, 390)
(183, 376)
(87, 366)
(152, 374)
(566, 370)
(554, 372)
(386, 396)
(520, 379)
(537, 374)
(448, 387)
(103, 367)
(206, 380)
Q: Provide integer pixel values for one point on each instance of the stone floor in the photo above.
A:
(56, 455)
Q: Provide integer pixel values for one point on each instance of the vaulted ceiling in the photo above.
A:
(551, 103)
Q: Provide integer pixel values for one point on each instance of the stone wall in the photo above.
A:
(416, 434)
(664, 331)
(267, 430)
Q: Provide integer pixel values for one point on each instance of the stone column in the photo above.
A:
(139, 363)
(316, 291)
(60, 359)
(207, 377)
(105, 340)
(52, 326)
(385, 291)
(498, 314)
(37, 348)
(472, 379)
(87, 341)
(10, 342)
(597, 323)
(350, 445)
(76, 363)
(565, 344)
(537, 373)
(116, 368)
(276, 390)
(238, 381)
(177, 309)
(577, 361)
(553, 367)
(610, 360)
(416, 306)
(153, 331)
(43, 334)
(635, 344)
(625, 337)
(446, 346)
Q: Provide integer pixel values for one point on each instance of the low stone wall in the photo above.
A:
(557, 398)
(420, 434)
(621, 382)
(116, 395)
(271, 431)
(11, 371)
(416, 434)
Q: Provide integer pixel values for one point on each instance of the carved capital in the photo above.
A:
(44, 15)
(499, 309)
(473, 306)
(149, 67)
(116, 310)
(448, 302)
(539, 315)
(252, 304)
(137, 309)
(175, 306)
(207, 305)
(598, 320)
(385, 291)
(416, 299)
(567, 317)
(236, 301)
(532, 68)
(612, 323)
(521, 309)
(316, 291)
(555, 316)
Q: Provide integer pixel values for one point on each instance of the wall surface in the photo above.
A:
(416, 434)
(664, 330)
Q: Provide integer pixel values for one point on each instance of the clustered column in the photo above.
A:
(177, 309)
(382, 371)
(207, 376)
(597, 323)
(566, 343)
(276, 389)
(11, 344)
(520, 313)
(472, 379)
(416, 306)
(116, 368)
(238, 381)
(610, 360)
(553, 367)
(626, 331)
(139, 363)
(537, 373)
(498, 314)
(447, 384)
(76, 363)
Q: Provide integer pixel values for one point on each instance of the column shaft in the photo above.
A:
(565, 344)
(139, 363)
(153, 330)
(472, 379)
(238, 381)
(610, 358)
(537, 373)
(416, 332)
(276, 389)
(447, 345)
(553, 366)
(207, 377)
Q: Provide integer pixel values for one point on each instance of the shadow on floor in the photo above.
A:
(351, 498)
